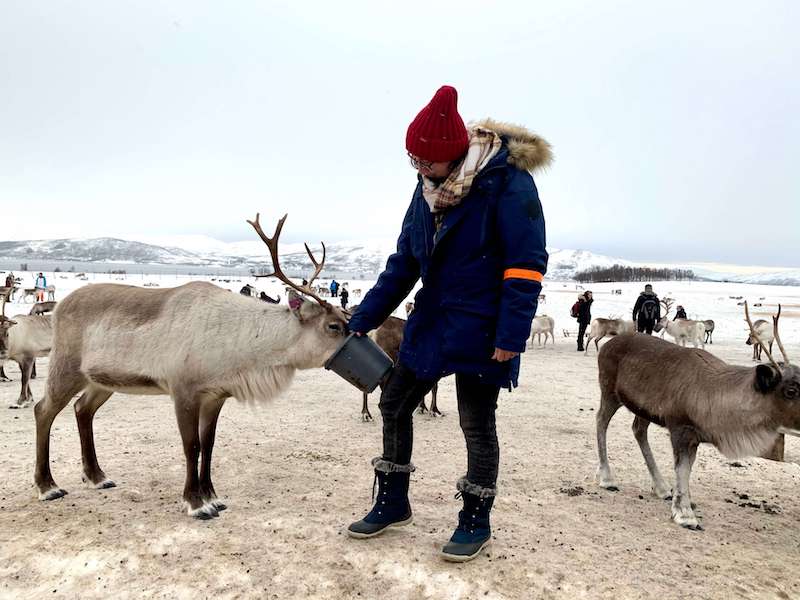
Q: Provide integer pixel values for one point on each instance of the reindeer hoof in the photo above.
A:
(204, 513)
(105, 484)
(610, 487)
(436, 413)
(366, 418)
(52, 494)
(692, 526)
(219, 505)
(4, 379)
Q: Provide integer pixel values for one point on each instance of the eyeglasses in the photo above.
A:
(419, 164)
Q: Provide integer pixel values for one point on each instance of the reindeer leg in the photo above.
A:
(33, 369)
(684, 447)
(25, 397)
(366, 417)
(187, 411)
(209, 413)
(608, 406)
(59, 392)
(588, 341)
(422, 407)
(3, 376)
(435, 412)
(85, 408)
(660, 488)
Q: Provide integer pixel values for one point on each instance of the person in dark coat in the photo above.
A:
(584, 316)
(344, 295)
(10, 280)
(647, 310)
(475, 234)
(334, 288)
(680, 313)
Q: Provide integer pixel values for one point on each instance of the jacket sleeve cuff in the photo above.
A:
(509, 345)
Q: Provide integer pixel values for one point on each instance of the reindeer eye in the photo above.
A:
(334, 327)
(791, 392)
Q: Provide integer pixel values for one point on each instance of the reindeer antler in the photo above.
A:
(758, 339)
(272, 244)
(318, 265)
(667, 303)
(777, 335)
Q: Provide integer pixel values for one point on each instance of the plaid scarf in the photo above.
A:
(483, 145)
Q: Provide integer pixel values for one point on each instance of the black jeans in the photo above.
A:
(477, 403)
(581, 332)
(645, 326)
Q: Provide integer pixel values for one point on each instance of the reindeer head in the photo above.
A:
(323, 325)
(782, 381)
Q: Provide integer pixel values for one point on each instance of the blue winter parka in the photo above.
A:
(481, 271)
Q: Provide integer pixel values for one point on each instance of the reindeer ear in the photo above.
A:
(767, 378)
(302, 308)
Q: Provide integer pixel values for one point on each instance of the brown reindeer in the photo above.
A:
(389, 336)
(197, 343)
(742, 411)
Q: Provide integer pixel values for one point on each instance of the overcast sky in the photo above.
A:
(675, 125)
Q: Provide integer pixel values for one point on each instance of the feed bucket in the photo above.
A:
(360, 361)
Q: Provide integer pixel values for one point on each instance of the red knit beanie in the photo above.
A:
(437, 134)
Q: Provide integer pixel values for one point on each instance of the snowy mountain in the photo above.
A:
(364, 257)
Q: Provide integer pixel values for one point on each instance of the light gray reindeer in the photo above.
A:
(742, 411)
(601, 328)
(764, 332)
(198, 343)
(30, 339)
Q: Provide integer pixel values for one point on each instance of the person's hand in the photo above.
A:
(501, 355)
(357, 333)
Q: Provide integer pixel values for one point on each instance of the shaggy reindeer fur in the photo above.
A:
(197, 343)
(698, 398)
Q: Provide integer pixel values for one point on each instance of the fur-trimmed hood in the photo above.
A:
(526, 150)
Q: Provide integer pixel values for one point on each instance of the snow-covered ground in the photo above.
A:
(296, 471)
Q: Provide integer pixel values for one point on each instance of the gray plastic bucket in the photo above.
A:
(360, 361)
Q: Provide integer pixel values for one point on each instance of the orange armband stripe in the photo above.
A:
(523, 274)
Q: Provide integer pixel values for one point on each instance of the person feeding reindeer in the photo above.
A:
(475, 234)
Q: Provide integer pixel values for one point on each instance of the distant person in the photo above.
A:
(10, 280)
(305, 282)
(265, 298)
(583, 312)
(41, 287)
(680, 314)
(343, 297)
(646, 311)
(334, 288)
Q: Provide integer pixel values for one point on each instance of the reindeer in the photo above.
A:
(600, 328)
(30, 339)
(742, 411)
(389, 336)
(709, 327)
(51, 292)
(683, 330)
(543, 324)
(28, 293)
(198, 343)
(357, 293)
(765, 334)
(5, 325)
(40, 308)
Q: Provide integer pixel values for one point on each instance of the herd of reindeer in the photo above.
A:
(201, 345)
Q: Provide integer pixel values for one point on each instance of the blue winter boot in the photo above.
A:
(473, 532)
(392, 508)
